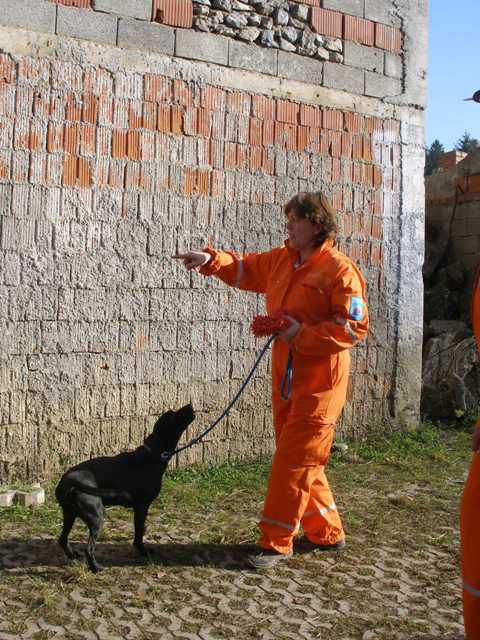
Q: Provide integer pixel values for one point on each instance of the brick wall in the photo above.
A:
(453, 203)
(112, 160)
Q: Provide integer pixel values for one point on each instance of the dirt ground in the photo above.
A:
(398, 578)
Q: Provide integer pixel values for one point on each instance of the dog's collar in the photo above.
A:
(165, 455)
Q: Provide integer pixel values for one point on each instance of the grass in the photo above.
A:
(400, 490)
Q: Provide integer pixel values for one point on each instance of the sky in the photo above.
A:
(453, 70)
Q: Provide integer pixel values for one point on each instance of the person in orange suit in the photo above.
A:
(322, 293)
(470, 513)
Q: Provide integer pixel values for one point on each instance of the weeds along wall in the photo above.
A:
(126, 137)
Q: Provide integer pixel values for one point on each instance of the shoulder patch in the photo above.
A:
(357, 308)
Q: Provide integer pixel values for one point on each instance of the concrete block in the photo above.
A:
(6, 498)
(380, 86)
(201, 46)
(352, 7)
(357, 55)
(146, 35)
(381, 11)
(37, 15)
(295, 67)
(336, 76)
(253, 58)
(33, 498)
(87, 25)
(393, 65)
(140, 9)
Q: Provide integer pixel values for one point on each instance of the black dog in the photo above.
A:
(131, 479)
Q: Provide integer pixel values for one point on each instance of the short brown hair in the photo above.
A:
(315, 206)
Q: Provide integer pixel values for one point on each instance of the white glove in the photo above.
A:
(193, 259)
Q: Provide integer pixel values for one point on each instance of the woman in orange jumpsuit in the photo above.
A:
(470, 513)
(323, 294)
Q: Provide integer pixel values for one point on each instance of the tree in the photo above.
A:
(432, 156)
(467, 144)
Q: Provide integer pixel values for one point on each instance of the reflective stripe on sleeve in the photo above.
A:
(284, 525)
(321, 512)
(472, 590)
(239, 277)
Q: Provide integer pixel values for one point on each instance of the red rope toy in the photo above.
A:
(262, 326)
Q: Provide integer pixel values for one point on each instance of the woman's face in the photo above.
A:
(301, 232)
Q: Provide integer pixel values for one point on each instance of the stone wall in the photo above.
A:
(123, 141)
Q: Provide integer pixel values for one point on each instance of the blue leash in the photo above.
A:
(285, 393)
(166, 455)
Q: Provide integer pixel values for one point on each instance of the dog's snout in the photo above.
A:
(187, 412)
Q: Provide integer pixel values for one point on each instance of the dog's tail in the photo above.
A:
(108, 494)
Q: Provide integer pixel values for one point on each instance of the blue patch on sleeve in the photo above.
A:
(357, 308)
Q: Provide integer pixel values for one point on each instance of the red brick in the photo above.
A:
(71, 138)
(98, 81)
(255, 158)
(218, 125)
(357, 149)
(157, 88)
(324, 143)
(133, 145)
(189, 181)
(149, 116)
(41, 105)
(287, 111)
(347, 142)
(268, 132)
(54, 137)
(203, 182)
(359, 30)
(314, 139)
(336, 170)
(213, 98)
(204, 123)
(332, 119)
(310, 116)
(177, 120)
(353, 122)
(105, 110)
(217, 184)
(132, 175)
(190, 121)
(388, 38)
(335, 143)
(474, 183)
(116, 174)
(367, 175)
(291, 137)
(69, 171)
(302, 138)
(7, 69)
(73, 108)
(104, 141)
(377, 177)
(80, 4)
(84, 173)
(176, 13)
(147, 145)
(263, 107)
(327, 23)
(242, 157)
(135, 113)
(279, 133)
(87, 137)
(268, 161)
(367, 153)
(164, 118)
(337, 200)
(119, 143)
(256, 131)
(230, 160)
(239, 102)
(90, 108)
(182, 93)
(357, 173)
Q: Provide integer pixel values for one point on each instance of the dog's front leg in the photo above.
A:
(141, 511)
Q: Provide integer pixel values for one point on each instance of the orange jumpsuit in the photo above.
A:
(470, 517)
(326, 294)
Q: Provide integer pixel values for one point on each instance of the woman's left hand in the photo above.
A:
(292, 330)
